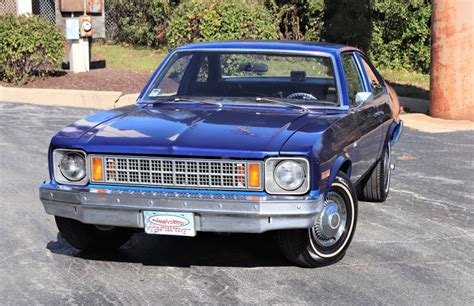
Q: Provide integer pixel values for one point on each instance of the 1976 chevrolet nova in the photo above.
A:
(241, 137)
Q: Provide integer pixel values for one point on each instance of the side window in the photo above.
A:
(170, 84)
(353, 79)
(374, 77)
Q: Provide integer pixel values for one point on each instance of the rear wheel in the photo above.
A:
(327, 241)
(88, 237)
(377, 185)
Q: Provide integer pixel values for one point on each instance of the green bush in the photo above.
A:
(400, 35)
(298, 19)
(29, 45)
(138, 22)
(395, 33)
(211, 20)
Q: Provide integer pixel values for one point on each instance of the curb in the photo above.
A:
(414, 105)
(427, 124)
(114, 99)
(66, 97)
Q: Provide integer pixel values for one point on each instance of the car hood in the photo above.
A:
(186, 129)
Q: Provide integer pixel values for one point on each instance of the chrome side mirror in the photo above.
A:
(363, 97)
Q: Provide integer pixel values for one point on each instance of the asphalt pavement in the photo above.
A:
(416, 248)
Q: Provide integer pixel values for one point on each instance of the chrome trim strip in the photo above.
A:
(250, 50)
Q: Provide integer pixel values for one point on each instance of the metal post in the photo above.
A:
(452, 65)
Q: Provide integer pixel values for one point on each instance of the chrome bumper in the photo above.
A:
(397, 133)
(213, 212)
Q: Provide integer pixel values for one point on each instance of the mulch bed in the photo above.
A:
(99, 79)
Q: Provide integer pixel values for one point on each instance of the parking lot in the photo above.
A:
(415, 248)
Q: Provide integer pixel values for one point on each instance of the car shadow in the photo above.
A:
(206, 249)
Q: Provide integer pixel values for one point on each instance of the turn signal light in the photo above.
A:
(97, 173)
(254, 176)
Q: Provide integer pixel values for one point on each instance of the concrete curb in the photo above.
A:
(414, 105)
(425, 123)
(126, 100)
(114, 99)
(63, 97)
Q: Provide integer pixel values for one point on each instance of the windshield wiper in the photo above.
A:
(185, 99)
(265, 99)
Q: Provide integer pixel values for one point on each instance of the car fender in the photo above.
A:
(340, 160)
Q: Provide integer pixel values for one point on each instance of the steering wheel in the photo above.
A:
(301, 95)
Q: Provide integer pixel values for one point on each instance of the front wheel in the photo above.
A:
(88, 237)
(327, 241)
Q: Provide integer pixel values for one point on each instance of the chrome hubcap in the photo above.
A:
(331, 222)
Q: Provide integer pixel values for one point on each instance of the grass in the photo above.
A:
(408, 84)
(123, 57)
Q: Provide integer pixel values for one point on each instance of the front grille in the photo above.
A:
(177, 173)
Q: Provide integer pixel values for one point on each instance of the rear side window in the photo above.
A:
(353, 79)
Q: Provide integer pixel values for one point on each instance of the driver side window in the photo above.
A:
(353, 79)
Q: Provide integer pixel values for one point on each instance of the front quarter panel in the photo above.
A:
(324, 140)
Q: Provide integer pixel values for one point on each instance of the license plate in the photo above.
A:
(169, 223)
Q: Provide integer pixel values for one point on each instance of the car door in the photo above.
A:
(364, 152)
(381, 98)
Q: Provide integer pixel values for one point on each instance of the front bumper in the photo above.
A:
(213, 212)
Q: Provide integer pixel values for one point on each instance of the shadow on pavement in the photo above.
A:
(206, 249)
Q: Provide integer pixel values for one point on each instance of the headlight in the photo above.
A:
(70, 167)
(289, 175)
(73, 166)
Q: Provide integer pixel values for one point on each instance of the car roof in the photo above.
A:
(284, 45)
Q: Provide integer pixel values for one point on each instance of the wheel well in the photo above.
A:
(346, 167)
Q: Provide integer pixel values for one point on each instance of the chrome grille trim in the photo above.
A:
(177, 172)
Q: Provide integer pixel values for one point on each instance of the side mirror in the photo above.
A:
(363, 97)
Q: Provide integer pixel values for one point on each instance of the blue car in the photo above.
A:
(235, 137)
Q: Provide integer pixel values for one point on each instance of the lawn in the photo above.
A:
(407, 83)
(121, 57)
(128, 58)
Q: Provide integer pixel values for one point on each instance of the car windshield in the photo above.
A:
(307, 80)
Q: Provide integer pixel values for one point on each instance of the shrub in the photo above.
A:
(29, 45)
(138, 22)
(400, 35)
(210, 20)
(298, 19)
